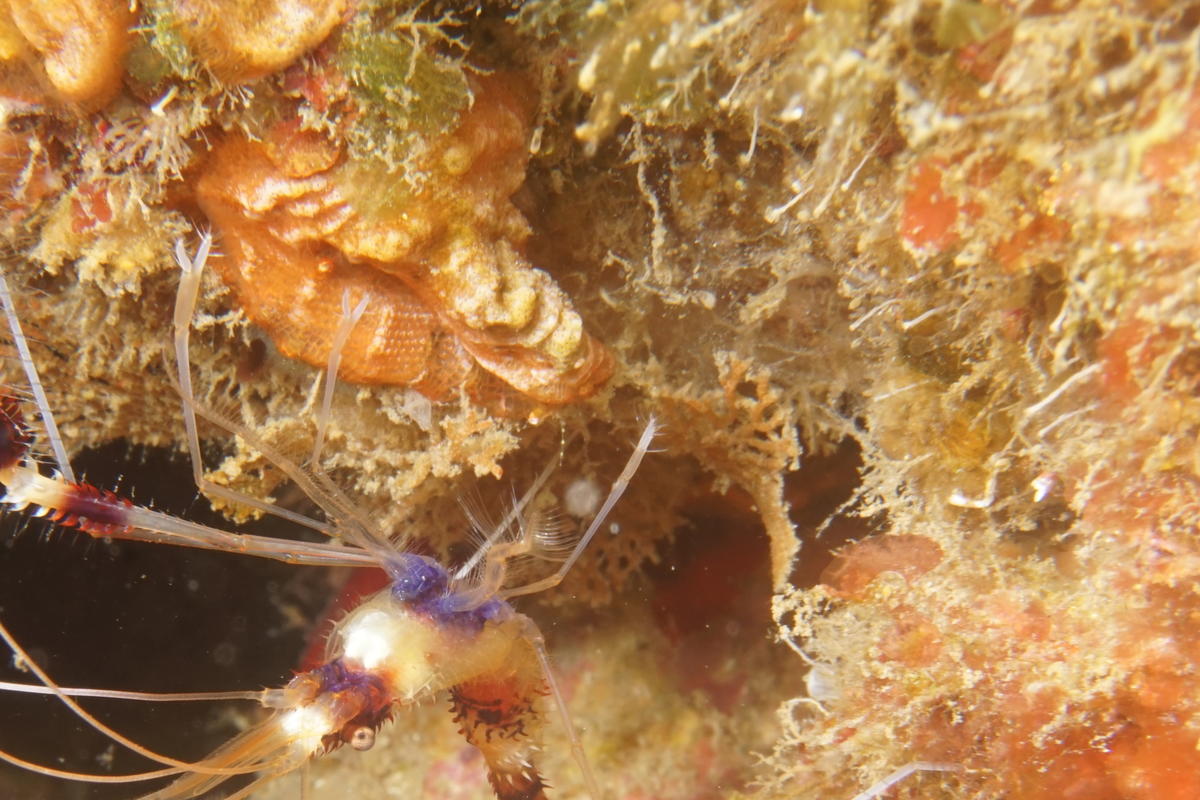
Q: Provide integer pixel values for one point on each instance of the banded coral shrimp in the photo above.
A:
(431, 631)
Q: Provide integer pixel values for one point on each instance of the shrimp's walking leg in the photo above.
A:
(192, 268)
(534, 636)
(35, 383)
(614, 494)
(352, 523)
(498, 714)
(104, 514)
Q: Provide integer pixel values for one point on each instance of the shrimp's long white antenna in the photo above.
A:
(614, 494)
(35, 384)
(118, 694)
(350, 318)
(51, 772)
(79, 711)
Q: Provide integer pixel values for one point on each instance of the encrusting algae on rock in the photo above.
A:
(957, 238)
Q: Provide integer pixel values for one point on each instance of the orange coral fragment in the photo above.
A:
(450, 289)
(241, 40)
(914, 641)
(1040, 240)
(81, 44)
(861, 562)
(90, 206)
(929, 214)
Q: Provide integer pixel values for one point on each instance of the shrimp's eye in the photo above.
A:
(363, 738)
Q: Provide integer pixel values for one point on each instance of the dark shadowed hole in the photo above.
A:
(711, 590)
(141, 617)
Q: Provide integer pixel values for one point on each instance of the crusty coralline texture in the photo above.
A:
(998, 197)
(961, 234)
(1025, 319)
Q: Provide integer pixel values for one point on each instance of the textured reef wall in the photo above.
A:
(955, 237)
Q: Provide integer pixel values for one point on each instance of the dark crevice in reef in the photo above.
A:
(140, 616)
